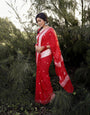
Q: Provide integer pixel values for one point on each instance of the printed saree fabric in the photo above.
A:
(44, 90)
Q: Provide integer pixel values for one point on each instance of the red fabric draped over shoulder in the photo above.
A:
(60, 69)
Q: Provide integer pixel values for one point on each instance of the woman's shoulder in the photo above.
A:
(51, 30)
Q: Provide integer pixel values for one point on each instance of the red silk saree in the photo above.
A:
(44, 90)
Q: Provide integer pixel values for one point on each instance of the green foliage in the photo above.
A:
(62, 9)
(82, 108)
(82, 74)
(77, 103)
(62, 103)
(88, 58)
(18, 71)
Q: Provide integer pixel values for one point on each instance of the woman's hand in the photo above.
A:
(48, 46)
(41, 48)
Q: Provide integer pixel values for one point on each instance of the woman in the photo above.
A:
(47, 47)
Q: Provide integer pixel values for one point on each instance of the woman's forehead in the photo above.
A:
(39, 18)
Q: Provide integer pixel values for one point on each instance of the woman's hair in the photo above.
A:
(42, 16)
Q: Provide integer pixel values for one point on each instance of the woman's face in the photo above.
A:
(40, 22)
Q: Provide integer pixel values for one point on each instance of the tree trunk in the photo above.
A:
(82, 13)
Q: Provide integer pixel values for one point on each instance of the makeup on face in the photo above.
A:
(40, 22)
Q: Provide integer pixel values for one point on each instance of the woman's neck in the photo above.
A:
(45, 26)
(42, 28)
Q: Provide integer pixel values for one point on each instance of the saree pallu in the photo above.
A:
(44, 90)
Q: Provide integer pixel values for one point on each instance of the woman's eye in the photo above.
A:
(39, 21)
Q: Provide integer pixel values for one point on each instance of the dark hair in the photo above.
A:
(42, 16)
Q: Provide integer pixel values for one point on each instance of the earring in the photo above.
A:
(46, 23)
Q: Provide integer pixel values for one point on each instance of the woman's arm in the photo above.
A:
(41, 48)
